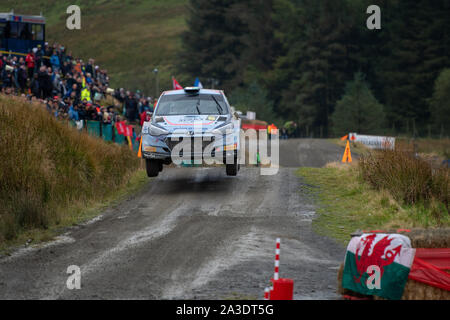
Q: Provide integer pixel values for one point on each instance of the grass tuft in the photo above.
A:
(346, 203)
(410, 180)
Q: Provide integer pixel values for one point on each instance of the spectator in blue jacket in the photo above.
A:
(73, 112)
(54, 60)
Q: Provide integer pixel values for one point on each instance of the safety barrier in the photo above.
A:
(107, 132)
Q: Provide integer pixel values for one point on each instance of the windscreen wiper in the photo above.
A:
(219, 106)
(196, 106)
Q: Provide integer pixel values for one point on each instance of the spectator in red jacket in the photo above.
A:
(145, 116)
(30, 60)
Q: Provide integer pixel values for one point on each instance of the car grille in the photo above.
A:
(172, 143)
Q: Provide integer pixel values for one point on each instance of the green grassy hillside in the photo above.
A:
(127, 37)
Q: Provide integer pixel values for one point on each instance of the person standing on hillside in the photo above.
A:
(30, 60)
(45, 83)
(38, 58)
(86, 94)
(131, 107)
(54, 60)
(34, 86)
(90, 67)
(47, 53)
(22, 76)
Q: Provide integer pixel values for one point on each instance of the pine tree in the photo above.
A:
(416, 45)
(213, 45)
(358, 110)
(316, 64)
(440, 102)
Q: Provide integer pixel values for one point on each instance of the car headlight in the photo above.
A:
(155, 130)
(223, 129)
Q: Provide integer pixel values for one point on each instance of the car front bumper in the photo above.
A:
(201, 148)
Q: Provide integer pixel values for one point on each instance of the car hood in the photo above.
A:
(190, 122)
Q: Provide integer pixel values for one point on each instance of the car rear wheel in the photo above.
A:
(153, 167)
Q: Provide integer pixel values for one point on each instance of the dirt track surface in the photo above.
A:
(191, 233)
(308, 152)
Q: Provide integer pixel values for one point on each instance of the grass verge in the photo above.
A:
(52, 174)
(77, 213)
(347, 203)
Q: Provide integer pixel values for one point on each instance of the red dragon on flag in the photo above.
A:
(375, 258)
(378, 264)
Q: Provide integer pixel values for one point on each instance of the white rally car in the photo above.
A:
(190, 127)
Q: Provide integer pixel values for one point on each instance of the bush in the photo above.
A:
(47, 166)
(410, 180)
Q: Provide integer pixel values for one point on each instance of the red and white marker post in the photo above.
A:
(282, 289)
(277, 260)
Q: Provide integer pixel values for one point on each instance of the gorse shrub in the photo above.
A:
(410, 180)
(45, 166)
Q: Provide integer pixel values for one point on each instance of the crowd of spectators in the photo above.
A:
(69, 87)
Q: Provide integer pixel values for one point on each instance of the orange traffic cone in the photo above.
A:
(347, 154)
(140, 149)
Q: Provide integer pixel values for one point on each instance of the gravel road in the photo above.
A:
(191, 233)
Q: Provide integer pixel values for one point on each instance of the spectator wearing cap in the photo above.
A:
(48, 51)
(38, 58)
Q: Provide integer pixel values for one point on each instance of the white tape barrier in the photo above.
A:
(374, 142)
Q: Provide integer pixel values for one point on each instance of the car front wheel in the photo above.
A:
(153, 167)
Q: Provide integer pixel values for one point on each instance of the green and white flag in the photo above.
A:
(378, 264)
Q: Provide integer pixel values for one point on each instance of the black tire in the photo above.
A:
(232, 169)
(152, 167)
(160, 166)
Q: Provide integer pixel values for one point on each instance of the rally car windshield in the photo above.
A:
(187, 104)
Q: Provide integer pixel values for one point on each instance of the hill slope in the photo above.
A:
(127, 37)
(48, 168)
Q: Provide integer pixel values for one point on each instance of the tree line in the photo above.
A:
(317, 63)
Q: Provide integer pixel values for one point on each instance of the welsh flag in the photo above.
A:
(120, 127)
(391, 254)
(176, 85)
(128, 131)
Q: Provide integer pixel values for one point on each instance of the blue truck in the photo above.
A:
(21, 33)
